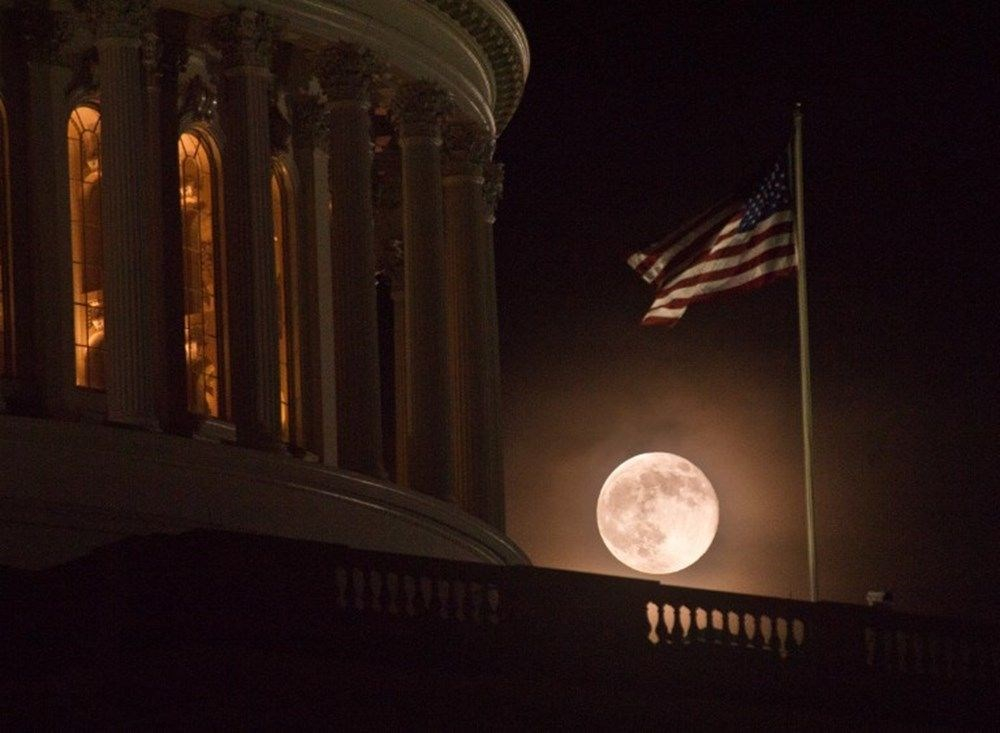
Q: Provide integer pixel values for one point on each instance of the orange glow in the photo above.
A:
(280, 273)
(84, 141)
(201, 329)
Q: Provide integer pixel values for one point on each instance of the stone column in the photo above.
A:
(309, 140)
(466, 148)
(493, 508)
(245, 38)
(418, 108)
(345, 71)
(129, 335)
(48, 221)
(163, 54)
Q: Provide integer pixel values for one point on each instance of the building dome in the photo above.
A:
(246, 272)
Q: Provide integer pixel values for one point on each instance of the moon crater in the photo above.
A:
(657, 513)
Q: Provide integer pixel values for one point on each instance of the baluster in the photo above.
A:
(750, 630)
(932, 657)
(950, 665)
(798, 633)
(870, 642)
(340, 575)
(493, 601)
(887, 652)
(443, 595)
(766, 631)
(671, 624)
(701, 623)
(392, 586)
(375, 583)
(426, 595)
(917, 648)
(685, 624)
(476, 599)
(653, 619)
(458, 587)
(781, 626)
(359, 589)
(733, 626)
(410, 590)
(714, 626)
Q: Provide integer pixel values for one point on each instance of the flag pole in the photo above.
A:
(800, 245)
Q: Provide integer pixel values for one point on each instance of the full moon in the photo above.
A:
(657, 513)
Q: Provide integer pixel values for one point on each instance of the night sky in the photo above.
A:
(637, 116)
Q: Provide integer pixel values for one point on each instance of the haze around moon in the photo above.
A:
(657, 513)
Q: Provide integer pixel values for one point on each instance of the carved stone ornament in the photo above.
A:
(390, 261)
(345, 72)
(119, 18)
(46, 34)
(200, 101)
(310, 124)
(419, 106)
(466, 147)
(152, 54)
(245, 38)
(492, 187)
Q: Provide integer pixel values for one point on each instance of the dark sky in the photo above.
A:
(638, 115)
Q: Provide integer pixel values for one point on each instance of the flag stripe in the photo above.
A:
(679, 249)
(668, 317)
(730, 248)
(775, 234)
(710, 282)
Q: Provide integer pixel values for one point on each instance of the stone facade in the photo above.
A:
(244, 177)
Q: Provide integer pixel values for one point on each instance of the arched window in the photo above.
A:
(83, 134)
(202, 294)
(6, 356)
(280, 208)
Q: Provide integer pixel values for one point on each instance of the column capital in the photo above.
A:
(492, 188)
(124, 19)
(46, 34)
(310, 120)
(419, 106)
(245, 37)
(467, 146)
(345, 72)
(161, 56)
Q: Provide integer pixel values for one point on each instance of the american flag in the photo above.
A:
(738, 245)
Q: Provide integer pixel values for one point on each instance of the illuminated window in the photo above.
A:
(280, 209)
(5, 291)
(83, 133)
(202, 300)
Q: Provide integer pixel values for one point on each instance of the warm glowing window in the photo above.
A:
(5, 356)
(202, 300)
(279, 209)
(84, 138)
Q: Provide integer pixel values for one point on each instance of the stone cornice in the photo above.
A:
(497, 31)
(345, 71)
